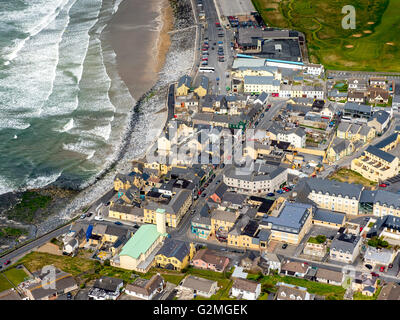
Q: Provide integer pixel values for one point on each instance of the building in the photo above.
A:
(174, 254)
(291, 292)
(291, 224)
(365, 283)
(139, 252)
(296, 137)
(357, 84)
(315, 249)
(387, 226)
(356, 96)
(330, 219)
(378, 96)
(345, 247)
(379, 257)
(201, 222)
(314, 69)
(257, 179)
(210, 260)
(246, 289)
(106, 288)
(193, 286)
(329, 276)
(183, 86)
(41, 289)
(294, 269)
(332, 195)
(170, 212)
(380, 121)
(376, 165)
(338, 149)
(146, 288)
(223, 221)
(202, 89)
(355, 110)
(270, 261)
(259, 84)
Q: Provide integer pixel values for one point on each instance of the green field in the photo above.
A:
(373, 46)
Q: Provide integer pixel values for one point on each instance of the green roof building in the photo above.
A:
(139, 252)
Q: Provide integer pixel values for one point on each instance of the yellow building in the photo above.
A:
(376, 165)
(223, 220)
(338, 149)
(173, 211)
(174, 255)
(202, 89)
(126, 213)
(183, 87)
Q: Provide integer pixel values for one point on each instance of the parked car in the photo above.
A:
(390, 266)
(83, 216)
(118, 223)
(383, 185)
(89, 214)
(271, 194)
(69, 296)
(286, 189)
(7, 262)
(368, 266)
(98, 218)
(284, 246)
(382, 269)
(279, 191)
(374, 274)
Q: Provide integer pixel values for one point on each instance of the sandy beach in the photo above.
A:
(138, 35)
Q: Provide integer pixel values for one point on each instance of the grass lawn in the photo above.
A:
(11, 232)
(35, 261)
(4, 284)
(329, 291)
(16, 276)
(350, 176)
(373, 46)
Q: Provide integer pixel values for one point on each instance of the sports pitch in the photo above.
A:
(373, 46)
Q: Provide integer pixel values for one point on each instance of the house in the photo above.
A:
(174, 254)
(377, 82)
(327, 218)
(106, 288)
(356, 96)
(291, 224)
(390, 291)
(336, 95)
(193, 286)
(262, 98)
(294, 268)
(139, 252)
(338, 149)
(210, 260)
(146, 288)
(41, 289)
(345, 247)
(223, 220)
(365, 283)
(379, 257)
(291, 292)
(183, 87)
(379, 121)
(296, 137)
(329, 276)
(378, 96)
(202, 89)
(356, 110)
(357, 84)
(270, 261)
(247, 262)
(246, 289)
(201, 222)
(315, 249)
(387, 226)
(219, 193)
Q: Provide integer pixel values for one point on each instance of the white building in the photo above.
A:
(246, 289)
(314, 69)
(257, 84)
(296, 137)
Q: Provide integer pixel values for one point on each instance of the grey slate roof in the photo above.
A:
(334, 187)
(259, 172)
(381, 116)
(388, 140)
(345, 242)
(261, 80)
(186, 80)
(381, 154)
(329, 216)
(174, 249)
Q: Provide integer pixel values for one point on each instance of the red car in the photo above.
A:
(286, 189)
(7, 262)
(374, 274)
(383, 185)
(382, 269)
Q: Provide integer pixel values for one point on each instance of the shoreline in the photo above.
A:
(175, 61)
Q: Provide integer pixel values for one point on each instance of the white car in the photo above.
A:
(98, 218)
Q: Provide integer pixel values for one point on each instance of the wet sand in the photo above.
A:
(138, 35)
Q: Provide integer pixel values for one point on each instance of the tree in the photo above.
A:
(320, 238)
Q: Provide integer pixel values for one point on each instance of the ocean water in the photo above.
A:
(64, 109)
